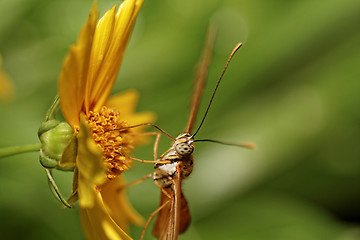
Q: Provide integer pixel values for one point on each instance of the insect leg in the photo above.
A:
(151, 216)
(162, 189)
(162, 155)
(140, 180)
(156, 144)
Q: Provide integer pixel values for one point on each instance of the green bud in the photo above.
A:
(46, 126)
(54, 136)
(46, 161)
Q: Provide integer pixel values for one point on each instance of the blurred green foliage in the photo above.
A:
(293, 89)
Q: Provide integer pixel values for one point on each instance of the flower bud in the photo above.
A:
(54, 136)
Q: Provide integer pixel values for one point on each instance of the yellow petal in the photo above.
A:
(115, 199)
(138, 118)
(6, 86)
(73, 77)
(104, 80)
(126, 103)
(98, 224)
(102, 39)
(90, 165)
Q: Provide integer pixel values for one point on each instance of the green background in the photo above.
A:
(293, 89)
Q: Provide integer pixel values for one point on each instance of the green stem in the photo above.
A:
(9, 151)
(53, 109)
(54, 188)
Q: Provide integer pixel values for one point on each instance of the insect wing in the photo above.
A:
(174, 218)
(184, 214)
(165, 224)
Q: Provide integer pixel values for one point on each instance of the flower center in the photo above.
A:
(116, 145)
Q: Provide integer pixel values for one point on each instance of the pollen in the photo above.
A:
(116, 144)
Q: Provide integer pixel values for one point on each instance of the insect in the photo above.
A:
(177, 162)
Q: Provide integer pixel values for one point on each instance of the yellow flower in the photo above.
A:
(100, 155)
(6, 86)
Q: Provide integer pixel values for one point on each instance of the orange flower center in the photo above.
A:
(116, 145)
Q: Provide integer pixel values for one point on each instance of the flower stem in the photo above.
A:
(9, 151)
(54, 188)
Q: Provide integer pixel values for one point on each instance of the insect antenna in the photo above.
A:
(244, 145)
(216, 87)
(143, 124)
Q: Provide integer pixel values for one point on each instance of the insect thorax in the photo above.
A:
(179, 153)
(164, 172)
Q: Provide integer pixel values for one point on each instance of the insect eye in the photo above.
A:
(184, 149)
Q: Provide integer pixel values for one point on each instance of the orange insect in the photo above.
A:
(177, 162)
